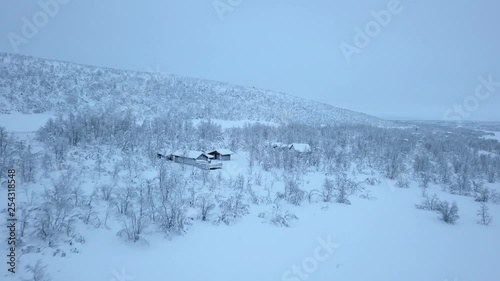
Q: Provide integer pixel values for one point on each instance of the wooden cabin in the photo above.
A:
(221, 154)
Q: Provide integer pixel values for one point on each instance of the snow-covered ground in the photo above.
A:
(24, 123)
(385, 238)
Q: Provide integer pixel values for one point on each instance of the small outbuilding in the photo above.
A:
(300, 147)
(221, 154)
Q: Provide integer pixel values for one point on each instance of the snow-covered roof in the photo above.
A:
(276, 144)
(222, 151)
(300, 147)
(192, 154)
(279, 145)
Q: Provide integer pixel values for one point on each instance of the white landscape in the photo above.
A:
(284, 221)
(249, 140)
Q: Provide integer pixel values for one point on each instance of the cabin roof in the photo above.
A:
(222, 151)
(192, 154)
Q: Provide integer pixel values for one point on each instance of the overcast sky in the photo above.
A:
(418, 65)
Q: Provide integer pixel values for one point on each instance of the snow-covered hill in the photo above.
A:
(30, 84)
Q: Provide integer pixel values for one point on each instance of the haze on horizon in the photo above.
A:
(413, 60)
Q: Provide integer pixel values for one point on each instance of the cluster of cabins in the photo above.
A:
(208, 160)
(213, 159)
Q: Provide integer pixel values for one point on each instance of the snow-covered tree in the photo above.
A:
(449, 214)
(483, 214)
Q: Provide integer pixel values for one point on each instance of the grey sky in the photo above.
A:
(426, 60)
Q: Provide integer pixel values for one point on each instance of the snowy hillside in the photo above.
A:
(30, 84)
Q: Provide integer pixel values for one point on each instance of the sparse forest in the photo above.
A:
(98, 168)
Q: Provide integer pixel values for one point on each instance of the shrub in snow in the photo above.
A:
(38, 272)
(328, 190)
(449, 214)
(341, 197)
(495, 198)
(239, 183)
(231, 210)
(133, 227)
(56, 214)
(258, 178)
(372, 181)
(30, 248)
(78, 238)
(477, 186)
(293, 194)
(89, 214)
(484, 216)
(122, 198)
(267, 199)
(424, 178)
(314, 196)
(392, 163)
(462, 185)
(106, 192)
(402, 183)
(483, 194)
(59, 253)
(267, 163)
(367, 195)
(206, 205)
(24, 218)
(253, 198)
(344, 188)
(278, 216)
(424, 190)
(430, 203)
(172, 217)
